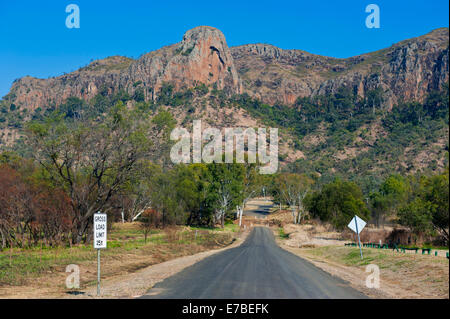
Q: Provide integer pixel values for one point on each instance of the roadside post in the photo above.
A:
(357, 225)
(99, 241)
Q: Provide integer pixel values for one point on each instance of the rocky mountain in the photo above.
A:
(378, 113)
(201, 57)
(405, 71)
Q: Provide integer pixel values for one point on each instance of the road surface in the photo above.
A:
(258, 208)
(256, 269)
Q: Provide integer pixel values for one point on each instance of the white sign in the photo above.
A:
(357, 224)
(99, 231)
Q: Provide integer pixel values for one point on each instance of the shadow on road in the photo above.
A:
(258, 208)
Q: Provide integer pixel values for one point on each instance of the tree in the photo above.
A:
(437, 194)
(394, 192)
(417, 216)
(192, 183)
(293, 189)
(379, 205)
(428, 209)
(136, 194)
(16, 212)
(73, 108)
(251, 183)
(337, 202)
(165, 199)
(437, 103)
(32, 211)
(226, 188)
(91, 161)
(139, 95)
(162, 124)
(150, 219)
(375, 98)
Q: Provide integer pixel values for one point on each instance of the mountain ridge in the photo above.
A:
(362, 118)
(263, 71)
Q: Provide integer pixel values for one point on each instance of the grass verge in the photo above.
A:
(424, 276)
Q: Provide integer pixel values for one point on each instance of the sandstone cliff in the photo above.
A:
(407, 70)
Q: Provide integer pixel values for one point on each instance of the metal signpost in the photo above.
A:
(99, 241)
(357, 225)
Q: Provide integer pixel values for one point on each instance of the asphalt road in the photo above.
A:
(256, 269)
(261, 208)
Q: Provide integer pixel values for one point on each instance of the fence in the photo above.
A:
(404, 249)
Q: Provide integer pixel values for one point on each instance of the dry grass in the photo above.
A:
(36, 273)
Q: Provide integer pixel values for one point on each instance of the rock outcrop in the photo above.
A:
(407, 70)
(201, 57)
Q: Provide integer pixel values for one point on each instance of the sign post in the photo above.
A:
(357, 225)
(98, 272)
(99, 241)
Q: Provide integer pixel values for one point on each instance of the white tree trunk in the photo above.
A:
(294, 214)
(137, 215)
(240, 217)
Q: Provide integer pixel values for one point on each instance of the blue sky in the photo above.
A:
(35, 41)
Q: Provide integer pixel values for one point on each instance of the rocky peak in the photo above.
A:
(201, 57)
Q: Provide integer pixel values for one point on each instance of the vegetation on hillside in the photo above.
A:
(111, 155)
(344, 121)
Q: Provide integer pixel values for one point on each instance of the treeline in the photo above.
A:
(37, 209)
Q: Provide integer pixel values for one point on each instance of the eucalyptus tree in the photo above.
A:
(91, 160)
(226, 188)
(292, 189)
